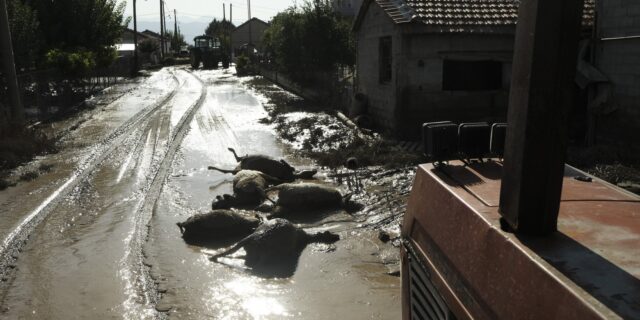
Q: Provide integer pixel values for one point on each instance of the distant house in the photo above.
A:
(126, 45)
(156, 37)
(249, 33)
(432, 60)
(347, 8)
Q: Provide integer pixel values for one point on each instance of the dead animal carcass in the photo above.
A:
(274, 241)
(300, 198)
(218, 225)
(278, 169)
(248, 190)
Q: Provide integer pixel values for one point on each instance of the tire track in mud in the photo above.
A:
(13, 243)
(142, 289)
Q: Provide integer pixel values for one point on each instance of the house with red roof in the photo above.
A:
(431, 60)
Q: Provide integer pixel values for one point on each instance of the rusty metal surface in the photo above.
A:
(590, 269)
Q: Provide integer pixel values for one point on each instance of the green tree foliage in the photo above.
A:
(77, 34)
(25, 35)
(221, 30)
(177, 40)
(309, 38)
(217, 28)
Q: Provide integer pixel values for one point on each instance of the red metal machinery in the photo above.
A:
(458, 262)
(523, 238)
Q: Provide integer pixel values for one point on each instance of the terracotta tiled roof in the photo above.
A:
(461, 15)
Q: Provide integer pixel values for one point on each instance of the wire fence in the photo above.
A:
(47, 93)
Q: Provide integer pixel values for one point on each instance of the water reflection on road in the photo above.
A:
(80, 261)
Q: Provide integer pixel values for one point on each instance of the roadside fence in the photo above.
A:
(47, 93)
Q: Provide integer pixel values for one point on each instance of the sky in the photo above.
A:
(206, 10)
(195, 15)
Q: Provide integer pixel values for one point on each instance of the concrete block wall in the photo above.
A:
(422, 98)
(618, 57)
(381, 96)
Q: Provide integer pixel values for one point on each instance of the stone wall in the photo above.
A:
(618, 57)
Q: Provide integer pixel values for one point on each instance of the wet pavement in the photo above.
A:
(96, 236)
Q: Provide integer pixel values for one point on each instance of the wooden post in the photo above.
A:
(9, 67)
(542, 87)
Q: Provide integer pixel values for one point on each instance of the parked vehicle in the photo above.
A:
(210, 52)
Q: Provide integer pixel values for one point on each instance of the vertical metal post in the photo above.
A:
(9, 67)
(542, 87)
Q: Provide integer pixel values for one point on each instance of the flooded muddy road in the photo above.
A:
(95, 236)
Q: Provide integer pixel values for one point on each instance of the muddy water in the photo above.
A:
(92, 256)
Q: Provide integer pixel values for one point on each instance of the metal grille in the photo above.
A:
(426, 302)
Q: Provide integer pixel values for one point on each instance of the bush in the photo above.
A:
(20, 145)
(242, 62)
(148, 46)
(72, 63)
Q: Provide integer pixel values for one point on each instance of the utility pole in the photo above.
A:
(224, 12)
(9, 67)
(135, 39)
(231, 31)
(175, 27)
(161, 28)
(544, 67)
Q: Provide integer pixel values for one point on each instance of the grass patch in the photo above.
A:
(4, 184)
(19, 145)
(29, 175)
(45, 167)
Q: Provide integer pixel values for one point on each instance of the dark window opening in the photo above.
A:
(471, 75)
(385, 59)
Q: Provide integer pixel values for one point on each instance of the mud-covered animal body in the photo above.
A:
(218, 225)
(276, 240)
(308, 195)
(248, 190)
(295, 198)
(251, 185)
(278, 169)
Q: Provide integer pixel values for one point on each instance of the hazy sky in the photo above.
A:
(206, 10)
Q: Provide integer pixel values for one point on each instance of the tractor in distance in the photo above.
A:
(210, 52)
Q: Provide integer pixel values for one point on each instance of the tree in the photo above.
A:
(177, 41)
(220, 30)
(217, 28)
(25, 33)
(309, 39)
(86, 27)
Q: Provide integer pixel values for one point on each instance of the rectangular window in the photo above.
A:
(458, 75)
(384, 63)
